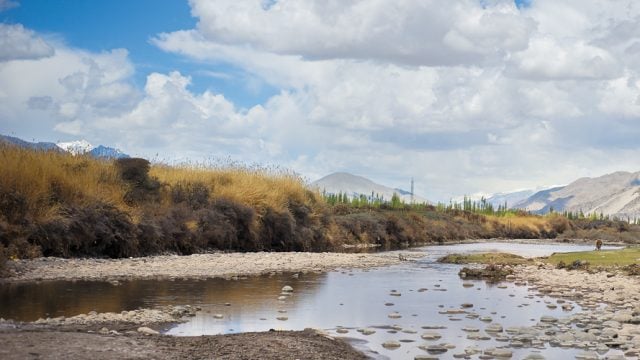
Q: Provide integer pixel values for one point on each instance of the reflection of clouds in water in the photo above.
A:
(353, 299)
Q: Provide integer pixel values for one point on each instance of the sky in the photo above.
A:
(464, 96)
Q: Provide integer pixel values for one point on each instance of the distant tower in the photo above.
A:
(412, 190)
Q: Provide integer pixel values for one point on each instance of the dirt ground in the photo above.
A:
(55, 344)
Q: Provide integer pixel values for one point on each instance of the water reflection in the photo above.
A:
(30, 301)
(417, 294)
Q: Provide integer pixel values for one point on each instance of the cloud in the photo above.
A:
(408, 32)
(8, 4)
(18, 43)
(464, 96)
(64, 91)
(471, 98)
(546, 59)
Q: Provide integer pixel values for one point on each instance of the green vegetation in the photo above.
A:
(56, 204)
(602, 258)
(479, 207)
(484, 258)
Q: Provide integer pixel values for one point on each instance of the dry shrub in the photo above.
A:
(142, 187)
(227, 225)
(4, 258)
(195, 194)
(559, 223)
(13, 206)
(95, 230)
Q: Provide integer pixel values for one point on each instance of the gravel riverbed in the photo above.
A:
(199, 266)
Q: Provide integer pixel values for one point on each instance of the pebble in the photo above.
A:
(391, 344)
(430, 335)
(434, 349)
(500, 353)
(470, 329)
(494, 328)
(548, 319)
(147, 331)
(367, 331)
(287, 288)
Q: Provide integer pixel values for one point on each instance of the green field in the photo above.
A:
(605, 258)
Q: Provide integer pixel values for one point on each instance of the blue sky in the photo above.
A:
(103, 25)
(464, 96)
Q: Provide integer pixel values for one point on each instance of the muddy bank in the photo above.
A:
(196, 266)
(307, 344)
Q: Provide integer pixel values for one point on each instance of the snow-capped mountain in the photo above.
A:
(101, 151)
(76, 147)
(354, 186)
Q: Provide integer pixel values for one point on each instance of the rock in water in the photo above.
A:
(147, 331)
(391, 344)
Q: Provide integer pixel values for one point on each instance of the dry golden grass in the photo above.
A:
(255, 188)
(47, 178)
(530, 223)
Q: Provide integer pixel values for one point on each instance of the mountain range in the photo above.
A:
(354, 186)
(73, 147)
(616, 195)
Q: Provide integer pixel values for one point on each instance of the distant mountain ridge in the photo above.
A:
(354, 186)
(27, 144)
(73, 147)
(616, 194)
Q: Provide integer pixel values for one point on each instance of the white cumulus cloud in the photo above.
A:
(18, 43)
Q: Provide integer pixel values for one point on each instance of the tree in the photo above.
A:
(395, 201)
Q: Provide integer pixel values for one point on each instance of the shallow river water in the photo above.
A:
(399, 303)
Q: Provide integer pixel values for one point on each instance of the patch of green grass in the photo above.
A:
(484, 258)
(604, 258)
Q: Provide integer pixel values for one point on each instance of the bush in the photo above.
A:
(13, 206)
(4, 271)
(95, 230)
(195, 194)
(227, 225)
(142, 188)
(277, 230)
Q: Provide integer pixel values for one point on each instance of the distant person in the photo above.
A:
(598, 244)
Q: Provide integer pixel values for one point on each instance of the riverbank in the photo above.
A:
(46, 344)
(200, 266)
